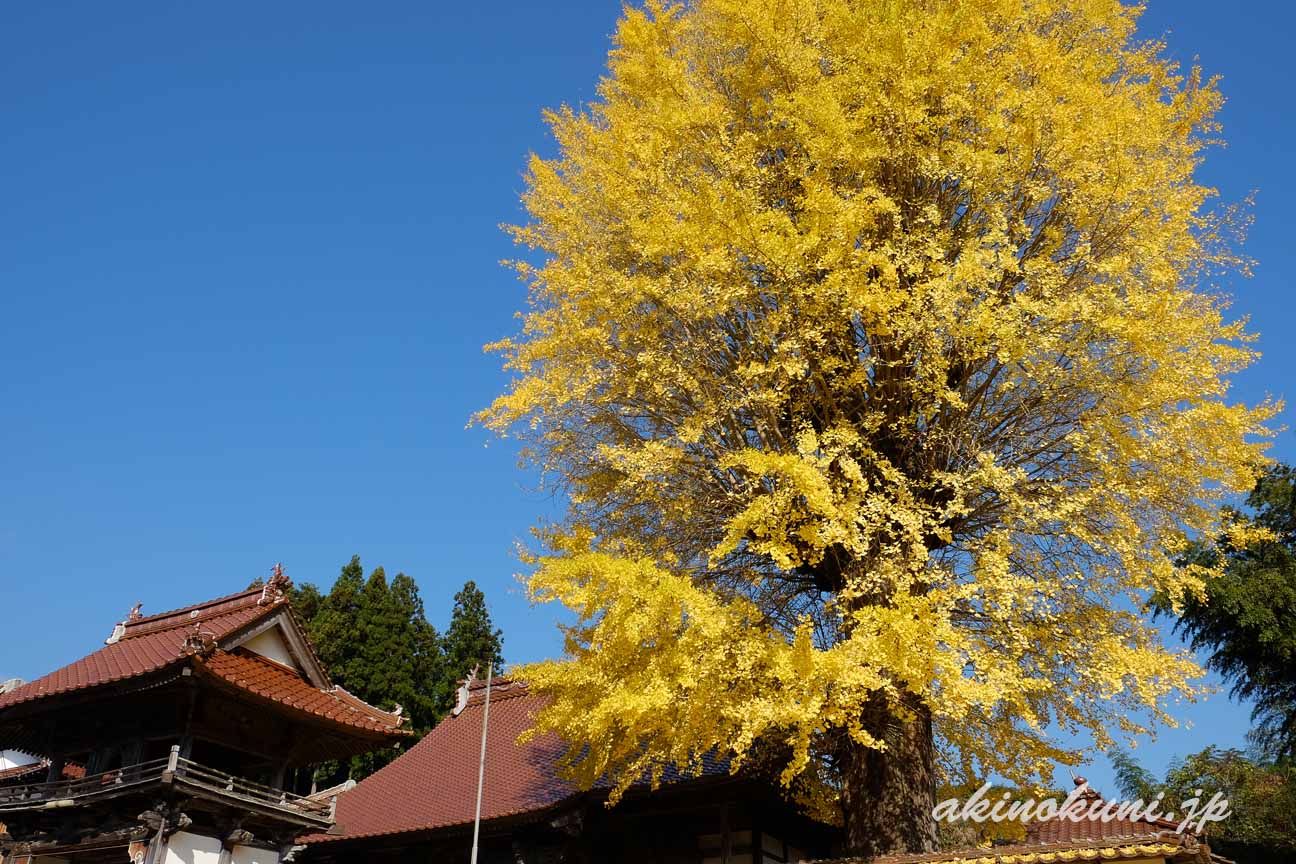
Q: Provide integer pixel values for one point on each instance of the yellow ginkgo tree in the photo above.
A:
(878, 349)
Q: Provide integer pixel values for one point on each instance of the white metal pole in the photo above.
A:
(481, 765)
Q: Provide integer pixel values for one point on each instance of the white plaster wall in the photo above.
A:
(253, 855)
(186, 848)
(271, 645)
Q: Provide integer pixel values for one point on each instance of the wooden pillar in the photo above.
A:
(726, 836)
(156, 851)
(186, 734)
(277, 778)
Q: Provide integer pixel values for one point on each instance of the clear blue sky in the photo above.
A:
(248, 258)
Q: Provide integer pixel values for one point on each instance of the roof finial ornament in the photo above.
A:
(197, 641)
(119, 629)
(462, 701)
(276, 587)
(1083, 789)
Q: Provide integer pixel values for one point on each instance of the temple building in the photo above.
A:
(421, 806)
(192, 736)
(189, 738)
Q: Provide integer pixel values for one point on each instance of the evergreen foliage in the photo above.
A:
(373, 637)
(1133, 780)
(1261, 792)
(1247, 618)
(471, 641)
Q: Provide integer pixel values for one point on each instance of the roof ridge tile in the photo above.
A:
(186, 614)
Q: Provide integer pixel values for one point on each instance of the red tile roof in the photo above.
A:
(434, 785)
(198, 612)
(156, 642)
(1063, 829)
(147, 645)
(269, 680)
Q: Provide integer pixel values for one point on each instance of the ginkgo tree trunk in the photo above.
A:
(877, 349)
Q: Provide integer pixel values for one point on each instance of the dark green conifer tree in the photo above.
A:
(374, 639)
(1246, 623)
(471, 641)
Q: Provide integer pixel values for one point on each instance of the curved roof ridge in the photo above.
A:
(347, 696)
(502, 687)
(264, 678)
(186, 614)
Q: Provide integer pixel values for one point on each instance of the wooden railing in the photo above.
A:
(174, 768)
(33, 794)
(210, 778)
